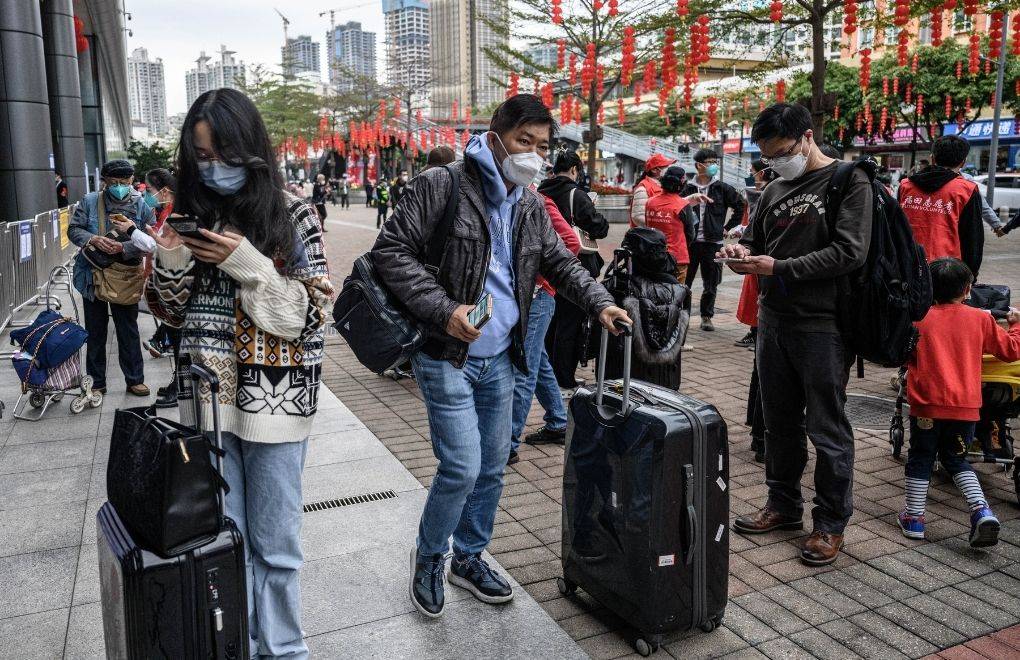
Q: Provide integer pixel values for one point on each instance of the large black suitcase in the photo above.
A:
(192, 605)
(646, 505)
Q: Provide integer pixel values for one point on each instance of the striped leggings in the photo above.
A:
(948, 440)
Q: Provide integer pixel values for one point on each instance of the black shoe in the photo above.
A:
(428, 577)
(475, 575)
(545, 436)
(166, 397)
(513, 458)
(746, 341)
(706, 324)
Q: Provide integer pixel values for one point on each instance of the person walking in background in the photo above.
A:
(253, 296)
(944, 209)
(320, 192)
(803, 364)
(89, 226)
(382, 201)
(647, 186)
(466, 373)
(565, 340)
(61, 188)
(718, 199)
(539, 381)
(369, 193)
(397, 189)
(944, 391)
(343, 186)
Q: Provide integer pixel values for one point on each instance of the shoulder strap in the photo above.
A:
(835, 191)
(101, 214)
(572, 190)
(437, 244)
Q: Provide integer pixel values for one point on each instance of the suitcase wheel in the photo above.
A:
(565, 586)
(708, 626)
(645, 647)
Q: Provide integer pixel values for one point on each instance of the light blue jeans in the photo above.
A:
(469, 420)
(540, 380)
(265, 502)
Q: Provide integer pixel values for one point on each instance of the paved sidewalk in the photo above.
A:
(354, 582)
(886, 597)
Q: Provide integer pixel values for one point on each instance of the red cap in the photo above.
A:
(658, 160)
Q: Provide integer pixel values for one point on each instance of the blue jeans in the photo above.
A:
(469, 420)
(265, 502)
(540, 380)
(949, 439)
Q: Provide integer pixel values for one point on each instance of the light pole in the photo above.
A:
(993, 155)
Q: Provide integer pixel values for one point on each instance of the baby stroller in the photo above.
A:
(49, 363)
(1000, 402)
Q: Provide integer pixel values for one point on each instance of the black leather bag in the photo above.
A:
(161, 481)
(377, 327)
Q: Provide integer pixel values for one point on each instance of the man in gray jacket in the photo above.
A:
(500, 240)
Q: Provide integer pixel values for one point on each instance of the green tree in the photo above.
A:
(148, 157)
(289, 108)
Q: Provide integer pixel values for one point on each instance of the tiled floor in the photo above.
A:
(885, 597)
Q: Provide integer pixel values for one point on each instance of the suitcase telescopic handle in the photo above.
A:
(692, 518)
(600, 381)
(199, 374)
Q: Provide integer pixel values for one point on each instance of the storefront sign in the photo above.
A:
(982, 129)
(902, 135)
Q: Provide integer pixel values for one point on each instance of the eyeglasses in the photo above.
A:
(768, 160)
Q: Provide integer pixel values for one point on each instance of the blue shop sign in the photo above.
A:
(981, 130)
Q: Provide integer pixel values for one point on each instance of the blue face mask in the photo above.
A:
(119, 190)
(712, 170)
(150, 200)
(224, 179)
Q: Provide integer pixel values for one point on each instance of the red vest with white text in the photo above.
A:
(935, 216)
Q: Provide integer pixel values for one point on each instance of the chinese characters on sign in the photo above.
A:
(25, 240)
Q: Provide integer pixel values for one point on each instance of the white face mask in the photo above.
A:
(521, 169)
(789, 167)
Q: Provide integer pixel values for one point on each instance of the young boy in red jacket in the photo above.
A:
(944, 391)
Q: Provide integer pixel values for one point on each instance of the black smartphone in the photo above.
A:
(482, 312)
(186, 225)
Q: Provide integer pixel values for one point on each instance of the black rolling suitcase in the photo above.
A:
(646, 505)
(191, 605)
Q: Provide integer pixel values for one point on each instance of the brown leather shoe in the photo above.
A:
(821, 548)
(141, 389)
(765, 520)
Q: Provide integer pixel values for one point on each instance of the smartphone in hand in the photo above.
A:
(186, 225)
(731, 260)
(482, 312)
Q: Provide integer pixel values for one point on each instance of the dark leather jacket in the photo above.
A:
(400, 247)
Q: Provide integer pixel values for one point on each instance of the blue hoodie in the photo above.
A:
(499, 281)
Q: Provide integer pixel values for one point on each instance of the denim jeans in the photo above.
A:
(540, 380)
(129, 347)
(948, 439)
(265, 502)
(469, 420)
(803, 377)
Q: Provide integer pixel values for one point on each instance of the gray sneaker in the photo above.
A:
(475, 575)
(428, 577)
(706, 324)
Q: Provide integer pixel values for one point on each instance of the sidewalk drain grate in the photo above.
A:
(871, 413)
(349, 501)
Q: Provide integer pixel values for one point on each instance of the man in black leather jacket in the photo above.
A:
(566, 337)
(500, 240)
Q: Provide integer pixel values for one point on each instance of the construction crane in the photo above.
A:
(332, 30)
(286, 22)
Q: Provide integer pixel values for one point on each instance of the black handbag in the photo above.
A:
(377, 327)
(993, 297)
(161, 481)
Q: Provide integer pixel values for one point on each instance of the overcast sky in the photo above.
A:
(177, 31)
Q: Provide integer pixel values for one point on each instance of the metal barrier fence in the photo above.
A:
(29, 250)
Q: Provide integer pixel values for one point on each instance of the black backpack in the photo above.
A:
(879, 303)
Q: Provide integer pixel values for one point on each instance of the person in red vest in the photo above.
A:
(671, 214)
(944, 209)
(647, 187)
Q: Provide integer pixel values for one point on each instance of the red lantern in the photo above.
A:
(835, 113)
(637, 93)
(974, 63)
(850, 17)
(885, 85)
(776, 11)
(902, 13)
(896, 86)
(512, 88)
(557, 12)
(627, 61)
(81, 42)
(883, 120)
(663, 97)
(970, 7)
(865, 70)
(600, 83)
(621, 117)
(1016, 34)
(602, 115)
(649, 76)
(547, 95)
(901, 48)
(572, 78)
(936, 27)
(913, 65)
(669, 60)
(614, 8)
(597, 5)
(995, 35)
(781, 91)
(588, 69)
(908, 94)
(561, 54)
(920, 105)
(683, 8)
(713, 118)
(949, 106)
(966, 106)
(959, 69)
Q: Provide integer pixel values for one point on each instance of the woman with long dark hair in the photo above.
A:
(251, 296)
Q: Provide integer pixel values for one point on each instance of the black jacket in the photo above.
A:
(398, 251)
(584, 216)
(724, 196)
(972, 231)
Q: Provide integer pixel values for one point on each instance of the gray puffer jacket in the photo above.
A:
(537, 249)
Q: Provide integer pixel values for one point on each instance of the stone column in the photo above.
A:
(64, 94)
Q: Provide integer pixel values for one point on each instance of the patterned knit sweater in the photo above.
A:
(257, 323)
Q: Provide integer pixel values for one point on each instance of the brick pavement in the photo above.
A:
(886, 596)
